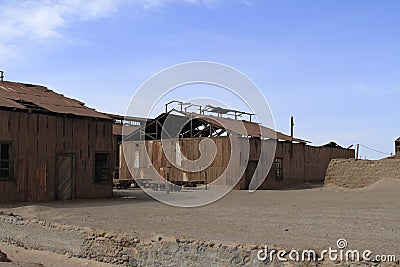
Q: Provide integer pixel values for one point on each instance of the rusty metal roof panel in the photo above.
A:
(128, 129)
(247, 128)
(8, 103)
(240, 127)
(45, 99)
(127, 118)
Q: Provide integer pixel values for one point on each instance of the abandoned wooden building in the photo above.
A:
(294, 162)
(397, 148)
(123, 125)
(52, 147)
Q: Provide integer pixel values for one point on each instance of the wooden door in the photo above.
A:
(64, 180)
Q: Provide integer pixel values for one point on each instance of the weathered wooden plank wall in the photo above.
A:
(305, 163)
(37, 139)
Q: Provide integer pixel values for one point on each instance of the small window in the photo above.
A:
(279, 168)
(101, 168)
(5, 161)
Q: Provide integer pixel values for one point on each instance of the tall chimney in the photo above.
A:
(1, 75)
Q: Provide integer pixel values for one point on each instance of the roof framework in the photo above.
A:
(181, 124)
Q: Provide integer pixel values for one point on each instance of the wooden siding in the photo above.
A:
(303, 164)
(307, 164)
(38, 138)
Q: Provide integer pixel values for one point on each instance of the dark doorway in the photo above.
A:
(64, 181)
(251, 168)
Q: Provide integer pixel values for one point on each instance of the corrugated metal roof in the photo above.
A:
(8, 103)
(127, 118)
(117, 129)
(24, 96)
(240, 127)
(246, 128)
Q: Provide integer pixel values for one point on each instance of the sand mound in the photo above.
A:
(383, 185)
(351, 173)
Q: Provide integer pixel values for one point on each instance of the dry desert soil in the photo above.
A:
(303, 218)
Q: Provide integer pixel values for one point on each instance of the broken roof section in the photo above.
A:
(128, 129)
(39, 98)
(192, 125)
(125, 125)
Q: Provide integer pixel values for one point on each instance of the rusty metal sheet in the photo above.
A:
(18, 94)
(246, 128)
(117, 129)
(8, 103)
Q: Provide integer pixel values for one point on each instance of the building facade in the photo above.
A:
(52, 147)
(294, 161)
(397, 147)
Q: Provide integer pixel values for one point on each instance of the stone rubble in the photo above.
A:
(132, 250)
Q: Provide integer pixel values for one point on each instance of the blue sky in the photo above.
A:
(334, 65)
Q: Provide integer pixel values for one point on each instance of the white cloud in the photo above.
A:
(36, 21)
(44, 19)
(24, 22)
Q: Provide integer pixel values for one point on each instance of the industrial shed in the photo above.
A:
(52, 147)
(294, 161)
(123, 125)
(397, 148)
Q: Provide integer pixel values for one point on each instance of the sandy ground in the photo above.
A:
(28, 258)
(313, 218)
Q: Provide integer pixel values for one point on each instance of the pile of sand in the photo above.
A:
(383, 185)
(353, 174)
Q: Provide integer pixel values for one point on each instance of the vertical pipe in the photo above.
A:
(291, 135)
(357, 150)
(291, 127)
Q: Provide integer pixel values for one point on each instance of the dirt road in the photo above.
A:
(306, 219)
